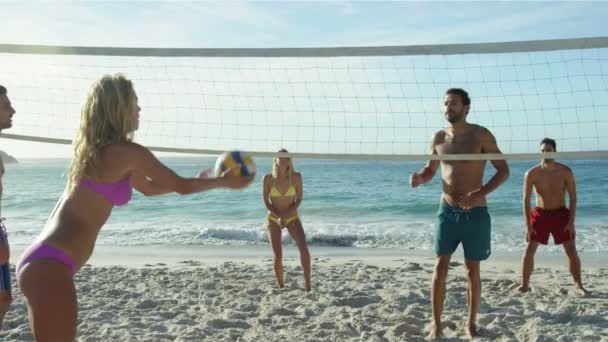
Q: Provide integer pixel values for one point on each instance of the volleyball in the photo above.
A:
(231, 159)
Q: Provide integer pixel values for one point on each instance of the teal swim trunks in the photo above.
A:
(455, 225)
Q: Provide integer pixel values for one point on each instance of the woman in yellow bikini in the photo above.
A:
(282, 196)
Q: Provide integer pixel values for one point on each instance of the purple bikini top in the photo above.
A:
(117, 193)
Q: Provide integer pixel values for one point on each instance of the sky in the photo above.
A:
(239, 24)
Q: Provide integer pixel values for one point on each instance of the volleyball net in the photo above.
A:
(380, 102)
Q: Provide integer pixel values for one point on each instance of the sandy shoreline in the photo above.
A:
(228, 293)
(141, 255)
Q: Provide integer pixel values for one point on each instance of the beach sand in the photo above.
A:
(228, 293)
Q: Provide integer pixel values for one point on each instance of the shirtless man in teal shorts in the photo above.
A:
(463, 216)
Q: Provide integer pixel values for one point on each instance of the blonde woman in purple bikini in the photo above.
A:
(106, 166)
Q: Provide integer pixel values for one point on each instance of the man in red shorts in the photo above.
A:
(550, 181)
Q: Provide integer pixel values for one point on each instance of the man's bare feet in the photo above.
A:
(436, 331)
(307, 287)
(580, 290)
(523, 289)
(471, 330)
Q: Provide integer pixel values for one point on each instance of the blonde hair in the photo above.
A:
(105, 118)
(275, 169)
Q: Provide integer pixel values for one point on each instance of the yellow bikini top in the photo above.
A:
(291, 191)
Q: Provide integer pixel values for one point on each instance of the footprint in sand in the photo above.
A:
(226, 324)
(255, 292)
(282, 312)
(403, 330)
(147, 304)
(450, 325)
(358, 301)
(114, 292)
(185, 321)
(412, 266)
(168, 314)
(209, 286)
(247, 307)
(455, 264)
(327, 326)
(159, 328)
(190, 262)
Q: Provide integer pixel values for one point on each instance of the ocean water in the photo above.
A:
(346, 203)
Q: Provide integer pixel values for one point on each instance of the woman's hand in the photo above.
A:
(234, 182)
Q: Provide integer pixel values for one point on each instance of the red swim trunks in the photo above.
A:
(550, 221)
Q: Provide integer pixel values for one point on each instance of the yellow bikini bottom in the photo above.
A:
(275, 219)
